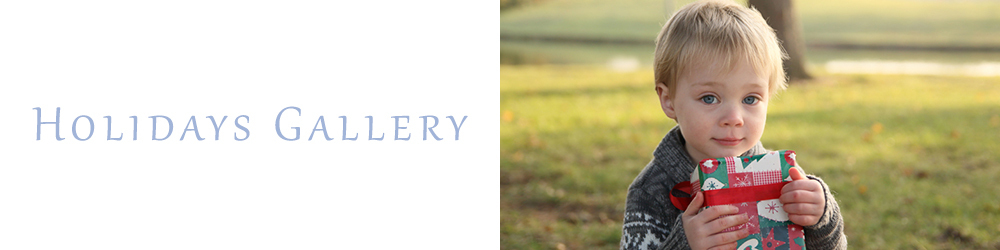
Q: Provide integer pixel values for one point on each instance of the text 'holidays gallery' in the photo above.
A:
(161, 127)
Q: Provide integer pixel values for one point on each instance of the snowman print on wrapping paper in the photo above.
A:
(709, 166)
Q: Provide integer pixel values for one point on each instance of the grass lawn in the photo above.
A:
(912, 159)
(857, 22)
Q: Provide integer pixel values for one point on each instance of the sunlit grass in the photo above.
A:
(912, 159)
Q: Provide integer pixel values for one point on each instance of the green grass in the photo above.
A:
(912, 159)
(858, 22)
(631, 20)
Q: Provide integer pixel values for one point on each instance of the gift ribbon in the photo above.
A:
(680, 194)
(743, 194)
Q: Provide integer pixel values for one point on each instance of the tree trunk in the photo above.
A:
(781, 16)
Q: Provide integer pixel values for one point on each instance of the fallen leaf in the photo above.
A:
(876, 128)
(507, 116)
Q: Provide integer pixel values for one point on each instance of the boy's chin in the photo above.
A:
(729, 152)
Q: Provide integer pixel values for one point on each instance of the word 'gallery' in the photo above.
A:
(83, 127)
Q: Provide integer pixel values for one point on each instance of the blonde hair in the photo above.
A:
(718, 29)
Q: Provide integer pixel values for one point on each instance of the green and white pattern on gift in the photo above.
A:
(753, 185)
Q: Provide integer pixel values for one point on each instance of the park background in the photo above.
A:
(901, 118)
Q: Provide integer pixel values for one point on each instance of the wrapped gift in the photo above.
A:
(753, 184)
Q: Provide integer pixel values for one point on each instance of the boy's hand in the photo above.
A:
(704, 230)
(803, 199)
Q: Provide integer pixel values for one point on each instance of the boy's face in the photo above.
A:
(720, 112)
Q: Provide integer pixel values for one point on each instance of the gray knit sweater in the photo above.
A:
(652, 222)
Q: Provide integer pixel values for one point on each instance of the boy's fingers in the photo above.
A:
(797, 174)
(722, 223)
(719, 211)
(800, 196)
(696, 203)
(806, 185)
(803, 208)
(728, 239)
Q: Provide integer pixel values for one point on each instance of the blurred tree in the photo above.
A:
(781, 16)
(511, 4)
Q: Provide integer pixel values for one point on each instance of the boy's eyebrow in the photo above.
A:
(713, 83)
(748, 85)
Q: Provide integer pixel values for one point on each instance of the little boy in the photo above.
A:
(717, 65)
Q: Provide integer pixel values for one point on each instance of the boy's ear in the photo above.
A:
(665, 103)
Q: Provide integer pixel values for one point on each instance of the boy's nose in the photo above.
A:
(732, 118)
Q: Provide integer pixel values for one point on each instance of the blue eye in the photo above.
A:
(709, 99)
(750, 100)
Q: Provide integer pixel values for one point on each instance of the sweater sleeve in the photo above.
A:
(650, 224)
(828, 233)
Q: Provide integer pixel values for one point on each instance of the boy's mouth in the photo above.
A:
(728, 141)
